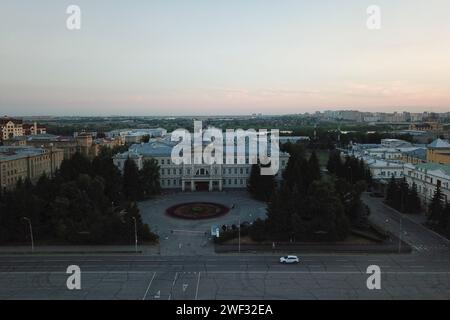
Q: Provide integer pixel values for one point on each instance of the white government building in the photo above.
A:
(192, 177)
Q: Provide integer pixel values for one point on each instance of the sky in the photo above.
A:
(203, 57)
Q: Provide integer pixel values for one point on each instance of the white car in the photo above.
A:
(289, 259)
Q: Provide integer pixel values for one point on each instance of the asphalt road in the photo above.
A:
(191, 273)
(224, 277)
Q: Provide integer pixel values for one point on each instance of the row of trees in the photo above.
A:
(86, 202)
(309, 207)
(439, 213)
(351, 169)
(405, 199)
(402, 197)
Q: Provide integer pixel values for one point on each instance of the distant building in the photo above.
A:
(10, 128)
(20, 163)
(415, 156)
(293, 139)
(439, 152)
(33, 129)
(83, 143)
(395, 143)
(130, 136)
(426, 126)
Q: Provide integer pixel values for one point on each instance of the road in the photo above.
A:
(192, 273)
(413, 231)
(224, 277)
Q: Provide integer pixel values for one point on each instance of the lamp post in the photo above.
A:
(31, 232)
(135, 235)
(239, 228)
(401, 222)
(159, 240)
(239, 231)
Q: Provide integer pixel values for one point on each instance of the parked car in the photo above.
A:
(289, 259)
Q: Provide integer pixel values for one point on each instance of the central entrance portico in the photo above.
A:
(201, 184)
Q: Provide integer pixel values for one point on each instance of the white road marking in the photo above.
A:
(173, 285)
(149, 285)
(234, 271)
(198, 283)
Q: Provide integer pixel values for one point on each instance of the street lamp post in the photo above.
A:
(135, 235)
(239, 226)
(401, 220)
(400, 238)
(31, 232)
(159, 240)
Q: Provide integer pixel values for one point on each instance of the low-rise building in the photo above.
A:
(130, 136)
(395, 143)
(193, 177)
(33, 129)
(20, 163)
(439, 152)
(427, 176)
(10, 128)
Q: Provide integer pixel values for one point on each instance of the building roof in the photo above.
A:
(419, 153)
(438, 144)
(445, 168)
(5, 120)
(8, 153)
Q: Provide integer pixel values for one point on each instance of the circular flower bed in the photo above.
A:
(197, 210)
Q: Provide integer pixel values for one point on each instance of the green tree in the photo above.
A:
(435, 207)
(260, 186)
(149, 178)
(392, 193)
(313, 168)
(414, 204)
(131, 181)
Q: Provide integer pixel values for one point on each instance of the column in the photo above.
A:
(210, 185)
(220, 185)
(182, 185)
(192, 185)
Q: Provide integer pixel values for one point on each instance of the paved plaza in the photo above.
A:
(192, 237)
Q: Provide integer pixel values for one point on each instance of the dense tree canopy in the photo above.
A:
(85, 203)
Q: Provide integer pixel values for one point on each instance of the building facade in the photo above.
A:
(10, 128)
(438, 152)
(427, 176)
(20, 163)
(192, 177)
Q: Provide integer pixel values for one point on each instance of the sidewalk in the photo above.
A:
(86, 249)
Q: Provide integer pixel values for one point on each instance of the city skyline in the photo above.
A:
(226, 58)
